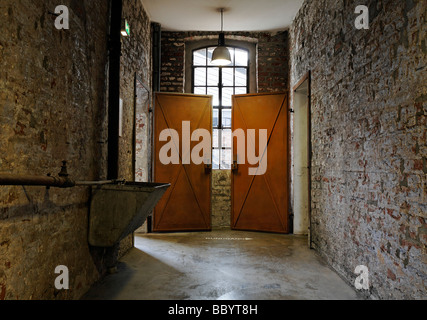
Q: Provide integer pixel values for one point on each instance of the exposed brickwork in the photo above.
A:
(172, 62)
(53, 107)
(52, 88)
(272, 49)
(136, 60)
(273, 62)
(221, 198)
(369, 106)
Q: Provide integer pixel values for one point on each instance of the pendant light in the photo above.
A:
(221, 55)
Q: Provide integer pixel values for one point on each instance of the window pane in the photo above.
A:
(241, 77)
(215, 93)
(226, 118)
(231, 50)
(241, 57)
(227, 77)
(200, 76)
(199, 90)
(215, 159)
(210, 52)
(226, 138)
(199, 57)
(226, 97)
(213, 76)
(226, 159)
(215, 138)
(241, 90)
(215, 118)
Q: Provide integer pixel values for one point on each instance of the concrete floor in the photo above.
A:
(222, 264)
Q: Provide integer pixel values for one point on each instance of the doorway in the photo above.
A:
(259, 196)
(182, 125)
(259, 183)
(301, 167)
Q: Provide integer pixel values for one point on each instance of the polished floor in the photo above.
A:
(221, 265)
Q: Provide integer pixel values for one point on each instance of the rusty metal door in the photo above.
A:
(260, 201)
(186, 205)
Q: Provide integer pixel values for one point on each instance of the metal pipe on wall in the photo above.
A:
(29, 180)
(49, 181)
(62, 181)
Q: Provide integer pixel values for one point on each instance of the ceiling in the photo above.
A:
(239, 15)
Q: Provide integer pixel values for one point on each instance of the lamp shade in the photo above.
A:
(221, 56)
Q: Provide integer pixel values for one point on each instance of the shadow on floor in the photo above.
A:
(222, 264)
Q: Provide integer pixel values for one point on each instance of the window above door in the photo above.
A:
(222, 83)
(204, 78)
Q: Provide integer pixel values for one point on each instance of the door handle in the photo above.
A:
(208, 168)
(235, 165)
(208, 164)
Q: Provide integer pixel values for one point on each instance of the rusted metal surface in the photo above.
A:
(118, 210)
(62, 181)
(29, 180)
(49, 181)
(98, 183)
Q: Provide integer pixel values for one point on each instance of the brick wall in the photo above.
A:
(221, 198)
(52, 95)
(368, 120)
(135, 60)
(53, 107)
(273, 62)
(272, 50)
(172, 62)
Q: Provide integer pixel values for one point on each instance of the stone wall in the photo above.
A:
(53, 107)
(135, 61)
(369, 105)
(221, 198)
(52, 85)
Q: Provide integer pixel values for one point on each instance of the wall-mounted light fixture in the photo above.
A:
(125, 29)
(221, 55)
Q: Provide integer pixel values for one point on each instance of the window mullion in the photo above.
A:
(220, 96)
(220, 115)
(206, 69)
(222, 150)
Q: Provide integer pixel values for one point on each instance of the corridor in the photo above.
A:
(284, 117)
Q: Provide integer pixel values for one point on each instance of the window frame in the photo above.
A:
(196, 42)
(220, 86)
